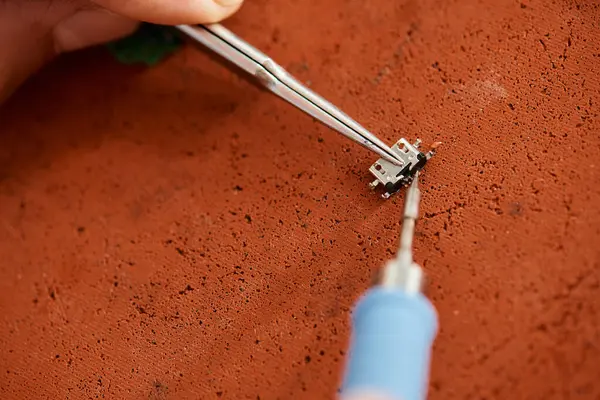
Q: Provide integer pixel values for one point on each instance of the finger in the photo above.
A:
(172, 12)
(91, 27)
(17, 65)
(24, 46)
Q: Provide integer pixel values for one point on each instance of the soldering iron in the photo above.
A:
(393, 327)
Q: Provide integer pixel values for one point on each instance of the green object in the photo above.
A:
(148, 45)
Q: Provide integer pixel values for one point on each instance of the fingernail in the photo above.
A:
(228, 3)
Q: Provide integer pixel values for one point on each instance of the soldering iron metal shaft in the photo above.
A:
(402, 272)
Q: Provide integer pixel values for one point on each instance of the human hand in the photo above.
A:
(33, 32)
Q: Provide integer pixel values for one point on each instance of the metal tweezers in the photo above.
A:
(222, 41)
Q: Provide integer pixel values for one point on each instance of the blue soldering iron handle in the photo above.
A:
(390, 349)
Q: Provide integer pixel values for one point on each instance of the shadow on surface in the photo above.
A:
(98, 98)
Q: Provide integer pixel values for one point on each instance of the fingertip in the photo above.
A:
(212, 11)
(169, 12)
(224, 9)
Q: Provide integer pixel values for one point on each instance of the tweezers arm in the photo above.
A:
(277, 80)
(220, 47)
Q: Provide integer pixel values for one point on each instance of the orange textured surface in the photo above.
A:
(177, 233)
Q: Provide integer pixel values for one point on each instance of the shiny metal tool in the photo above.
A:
(277, 80)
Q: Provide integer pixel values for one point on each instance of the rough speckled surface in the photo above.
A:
(176, 233)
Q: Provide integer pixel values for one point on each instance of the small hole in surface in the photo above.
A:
(377, 167)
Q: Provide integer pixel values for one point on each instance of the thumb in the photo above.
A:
(172, 12)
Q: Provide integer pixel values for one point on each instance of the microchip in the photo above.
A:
(393, 177)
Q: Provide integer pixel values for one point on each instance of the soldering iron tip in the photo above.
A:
(415, 182)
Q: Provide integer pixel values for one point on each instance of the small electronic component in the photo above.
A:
(394, 177)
